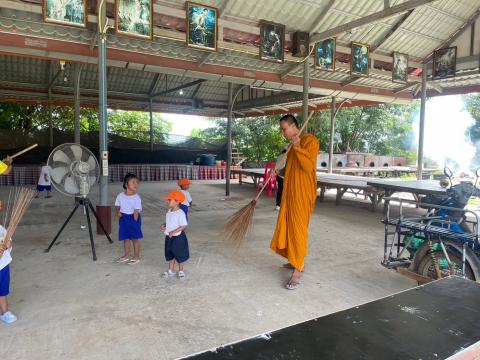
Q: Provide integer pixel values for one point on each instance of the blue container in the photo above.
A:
(207, 159)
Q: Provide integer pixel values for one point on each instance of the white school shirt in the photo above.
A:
(188, 198)
(6, 257)
(45, 173)
(128, 203)
(175, 219)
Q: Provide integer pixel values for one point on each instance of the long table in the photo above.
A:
(392, 171)
(439, 320)
(356, 185)
(414, 187)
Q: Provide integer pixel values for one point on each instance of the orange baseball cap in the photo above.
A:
(184, 182)
(176, 195)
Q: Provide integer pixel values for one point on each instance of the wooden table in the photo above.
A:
(414, 187)
(255, 174)
(392, 171)
(357, 185)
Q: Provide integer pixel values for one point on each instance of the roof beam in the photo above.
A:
(386, 13)
(381, 42)
(195, 92)
(404, 87)
(274, 100)
(455, 35)
(184, 86)
(156, 80)
(316, 24)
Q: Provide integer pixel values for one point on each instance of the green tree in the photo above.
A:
(136, 125)
(472, 105)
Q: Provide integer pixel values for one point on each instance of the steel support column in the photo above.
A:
(421, 133)
(102, 102)
(332, 133)
(229, 139)
(150, 103)
(76, 91)
(50, 118)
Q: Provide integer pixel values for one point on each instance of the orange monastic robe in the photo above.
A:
(290, 239)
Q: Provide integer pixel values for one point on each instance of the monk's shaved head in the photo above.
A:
(289, 118)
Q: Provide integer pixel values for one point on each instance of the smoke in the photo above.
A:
(445, 141)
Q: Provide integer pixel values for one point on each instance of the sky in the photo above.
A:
(184, 124)
(446, 123)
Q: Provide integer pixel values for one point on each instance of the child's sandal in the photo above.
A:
(168, 274)
(181, 275)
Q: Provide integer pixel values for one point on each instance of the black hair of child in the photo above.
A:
(127, 178)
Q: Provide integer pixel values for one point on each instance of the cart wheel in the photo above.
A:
(427, 269)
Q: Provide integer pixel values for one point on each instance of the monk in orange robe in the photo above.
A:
(290, 239)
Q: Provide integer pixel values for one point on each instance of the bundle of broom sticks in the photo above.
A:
(238, 225)
(19, 199)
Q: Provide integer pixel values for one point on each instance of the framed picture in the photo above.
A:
(444, 63)
(66, 12)
(134, 18)
(325, 55)
(272, 41)
(360, 61)
(400, 68)
(202, 24)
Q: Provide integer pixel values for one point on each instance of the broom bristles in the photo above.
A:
(22, 198)
(239, 224)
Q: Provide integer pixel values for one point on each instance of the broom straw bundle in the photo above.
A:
(238, 225)
(18, 201)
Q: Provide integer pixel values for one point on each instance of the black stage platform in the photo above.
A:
(433, 321)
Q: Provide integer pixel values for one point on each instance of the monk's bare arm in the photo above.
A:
(307, 153)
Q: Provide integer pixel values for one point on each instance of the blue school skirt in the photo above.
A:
(185, 210)
(177, 248)
(128, 228)
(5, 281)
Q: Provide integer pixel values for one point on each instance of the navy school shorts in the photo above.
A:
(128, 228)
(5, 281)
(176, 248)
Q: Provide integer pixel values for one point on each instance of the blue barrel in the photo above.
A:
(207, 159)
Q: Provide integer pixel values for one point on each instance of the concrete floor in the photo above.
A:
(72, 308)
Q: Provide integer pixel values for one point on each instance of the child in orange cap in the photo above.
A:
(176, 243)
(184, 185)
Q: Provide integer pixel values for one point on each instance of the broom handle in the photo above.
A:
(304, 125)
(285, 154)
(263, 188)
(24, 151)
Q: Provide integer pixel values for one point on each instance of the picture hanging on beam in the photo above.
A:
(202, 26)
(325, 55)
(272, 41)
(400, 68)
(444, 63)
(66, 12)
(134, 18)
(360, 59)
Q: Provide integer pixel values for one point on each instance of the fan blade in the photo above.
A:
(70, 186)
(92, 180)
(91, 162)
(59, 173)
(77, 152)
(61, 156)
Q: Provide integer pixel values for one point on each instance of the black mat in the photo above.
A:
(433, 321)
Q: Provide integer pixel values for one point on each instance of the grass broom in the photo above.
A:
(238, 225)
(4, 162)
(18, 201)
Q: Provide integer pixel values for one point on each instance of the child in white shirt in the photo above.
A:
(176, 242)
(5, 260)
(184, 186)
(44, 182)
(129, 206)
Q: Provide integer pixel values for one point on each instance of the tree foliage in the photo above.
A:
(132, 124)
(472, 105)
(383, 130)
